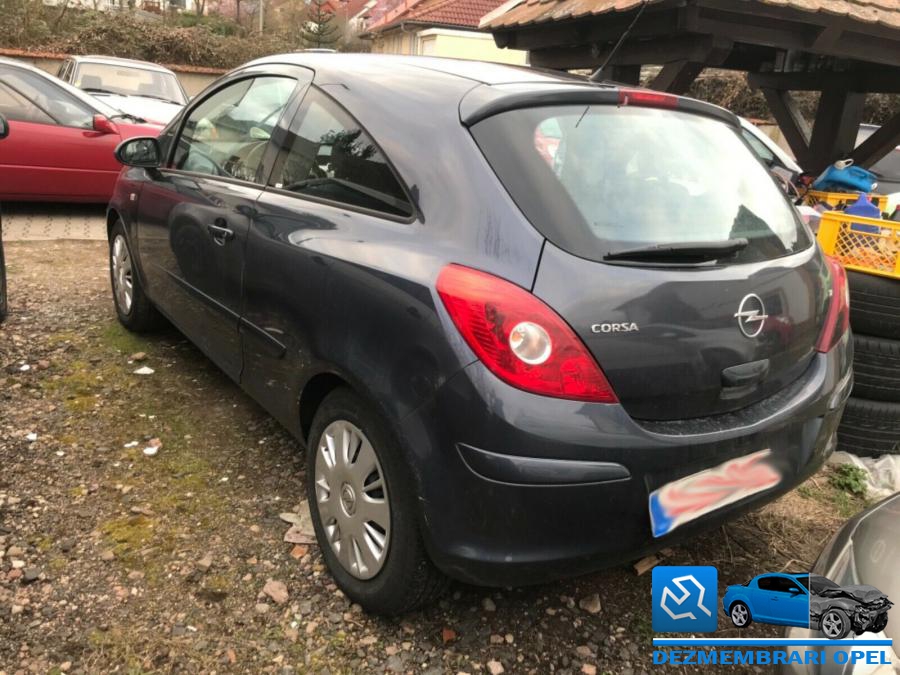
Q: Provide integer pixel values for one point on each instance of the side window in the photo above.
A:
(16, 107)
(328, 156)
(768, 583)
(227, 134)
(48, 98)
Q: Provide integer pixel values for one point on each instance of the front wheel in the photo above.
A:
(880, 623)
(835, 624)
(364, 508)
(133, 307)
(740, 615)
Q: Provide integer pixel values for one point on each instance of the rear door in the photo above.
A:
(671, 251)
(54, 151)
(195, 214)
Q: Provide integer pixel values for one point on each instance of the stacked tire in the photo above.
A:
(871, 422)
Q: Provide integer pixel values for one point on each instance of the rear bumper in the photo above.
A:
(518, 488)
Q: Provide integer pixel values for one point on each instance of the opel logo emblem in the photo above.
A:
(751, 315)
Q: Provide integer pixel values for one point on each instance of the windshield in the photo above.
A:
(819, 584)
(105, 78)
(602, 179)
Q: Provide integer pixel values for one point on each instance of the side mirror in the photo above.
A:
(4, 127)
(142, 151)
(104, 125)
(795, 591)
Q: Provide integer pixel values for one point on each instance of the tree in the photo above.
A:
(320, 29)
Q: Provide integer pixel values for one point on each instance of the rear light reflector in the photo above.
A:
(647, 98)
(519, 338)
(837, 318)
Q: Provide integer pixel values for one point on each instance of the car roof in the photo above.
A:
(792, 575)
(351, 66)
(119, 61)
(482, 87)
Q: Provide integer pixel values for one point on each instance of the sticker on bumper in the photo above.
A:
(688, 498)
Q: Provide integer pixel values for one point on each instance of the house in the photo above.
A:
(436, 28)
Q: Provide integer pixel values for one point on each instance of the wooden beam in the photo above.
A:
(677, 77)
(791, 122)
(879, 144)
(870, 79)
(828, 37)
(632, 53)
(834, 131)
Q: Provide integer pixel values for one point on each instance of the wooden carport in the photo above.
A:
(841, 48)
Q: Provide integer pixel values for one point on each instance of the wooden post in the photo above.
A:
(677, 77)
(834, 131)
(879, 144)
(791, 122)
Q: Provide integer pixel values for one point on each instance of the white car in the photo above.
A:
(138, 88)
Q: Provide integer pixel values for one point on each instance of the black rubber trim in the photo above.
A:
(518, 470)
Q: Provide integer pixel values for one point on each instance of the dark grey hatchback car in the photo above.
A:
(526, 326)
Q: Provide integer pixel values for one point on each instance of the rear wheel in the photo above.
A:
(869, 428)
(874, 304)
(133, 307)
(835, 624)
(740, 615)
(365, 510)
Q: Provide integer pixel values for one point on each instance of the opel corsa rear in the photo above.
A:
(526, 326)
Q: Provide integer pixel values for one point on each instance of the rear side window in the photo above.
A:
(328, 156)
(601, 179)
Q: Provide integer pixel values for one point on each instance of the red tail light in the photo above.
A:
(837, 319)
(648, 98)
(519, 338)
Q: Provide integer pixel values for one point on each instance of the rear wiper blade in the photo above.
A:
(686, 251)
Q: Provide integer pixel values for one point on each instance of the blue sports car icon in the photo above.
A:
(781, 599)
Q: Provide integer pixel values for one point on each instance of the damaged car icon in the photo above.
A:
(807, 600)
(836, 610)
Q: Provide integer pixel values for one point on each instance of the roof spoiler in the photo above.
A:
(486, 101)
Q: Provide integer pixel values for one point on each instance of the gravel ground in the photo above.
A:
(113, 560)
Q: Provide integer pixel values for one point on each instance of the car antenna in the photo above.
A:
(598, 75)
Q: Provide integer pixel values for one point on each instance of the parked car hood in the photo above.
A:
(861, 593)
(150, 109)
(128, 130)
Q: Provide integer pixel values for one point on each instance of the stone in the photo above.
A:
(495, 667)
(589, 669)
(277, 591)
(262, 608)
(30, 575)
(138, 356)
(591, 604)
(488, 605)
(106, 556)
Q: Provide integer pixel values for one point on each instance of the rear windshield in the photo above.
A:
(602, 179)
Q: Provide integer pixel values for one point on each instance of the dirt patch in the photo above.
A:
(143, 564)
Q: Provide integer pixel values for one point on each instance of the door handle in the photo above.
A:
(221, 235)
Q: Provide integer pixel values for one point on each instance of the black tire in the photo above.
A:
(731, 612)
(880, 623)
(869, 428)
(407, 579)
(874, 305)
(876, 368)
(4, 306)
(837, 615)
(142, 316)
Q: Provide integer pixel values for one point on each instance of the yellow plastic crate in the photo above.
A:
(862, 244)
(842, 199)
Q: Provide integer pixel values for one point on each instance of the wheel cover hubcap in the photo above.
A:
(739, 615)
(832, 624)
(352, 499)
(123, 281)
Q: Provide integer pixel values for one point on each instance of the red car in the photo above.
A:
(61, 140)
